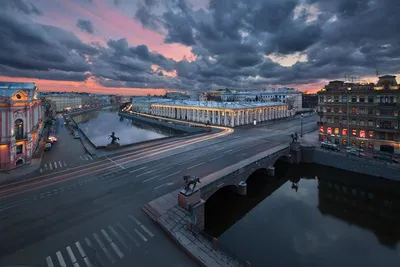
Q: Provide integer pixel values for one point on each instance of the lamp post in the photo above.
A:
(301, 125)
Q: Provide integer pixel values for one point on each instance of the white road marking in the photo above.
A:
(59, 163)
(41, 170)
(45, 166)
(187, 161)
(140, 234)
(229, 150)
(165, 177)
(61, 259)
(138, 169)
(55, 164)
(144, 173)
(76, 264)
(220, 148)
(80, 249)
(123, 229)
(65, 164)
(119, 165)
(194, 166)
(154, 177)
(166, 184)
(141, 226)
(90, 157)
(216, 158)
(82, 158)
(71, 254)
(103, 247)
(49, 262)
(51, 166)
(114, 247)
(86, 158)
(120, 239)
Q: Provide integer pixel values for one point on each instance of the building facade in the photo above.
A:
(218, 113)
(309, 101)
(65, 101)
(361, 115)
(20, 123)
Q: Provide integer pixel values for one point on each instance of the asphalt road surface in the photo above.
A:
(90, 214)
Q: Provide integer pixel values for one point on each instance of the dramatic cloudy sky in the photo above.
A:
(134, 46)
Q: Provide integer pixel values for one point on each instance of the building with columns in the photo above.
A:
(20, 123)
(221, 113)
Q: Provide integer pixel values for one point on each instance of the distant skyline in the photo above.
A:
(149, 46)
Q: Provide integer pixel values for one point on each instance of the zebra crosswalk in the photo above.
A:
(103, 247)
(58, 164)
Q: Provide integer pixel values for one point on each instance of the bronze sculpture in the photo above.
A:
(190, 180)
(113, 138)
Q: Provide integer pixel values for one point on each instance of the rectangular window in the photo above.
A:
(353, 99)
(354, 132)
(344, 142)
(336, 99)
(344, 98)
(321, 129)
(371, 123)
(336, 110)
(19, 149)
(329, 130)
(354, 110)
(362, 133)
(344, 110)
(370, 99)
(336, 130)
(371, 134)
(344, 131)
(321, 99)
(344, 121)
(362, 122)
(362, 99)
(371, 144)
(353, 122)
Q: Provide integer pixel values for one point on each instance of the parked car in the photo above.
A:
(76, 135)
(355, 152)
(329, 146)
(47, 146)
(52, 139)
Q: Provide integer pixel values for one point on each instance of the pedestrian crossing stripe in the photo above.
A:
(61, 164)
(111, 241)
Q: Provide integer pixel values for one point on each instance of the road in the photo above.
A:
(90, 214)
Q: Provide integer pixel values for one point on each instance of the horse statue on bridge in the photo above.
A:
(295, 137)
(113, 138)
(190, 180)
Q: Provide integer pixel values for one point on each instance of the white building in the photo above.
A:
(143, 104)
(220, 113)
(284, 95)
(65, 100)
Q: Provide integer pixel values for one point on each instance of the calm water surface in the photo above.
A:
(98, 126)
(335, 218)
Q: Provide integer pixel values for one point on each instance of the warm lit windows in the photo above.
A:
(371, 144)
(329, 130)
(344, 131)
(354, 132)
(362, 133)
(371, 134)
(336, 130)
(321, 129)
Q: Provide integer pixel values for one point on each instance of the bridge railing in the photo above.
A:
(235, 261)
(242, 169)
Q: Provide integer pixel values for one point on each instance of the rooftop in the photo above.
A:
(214, 104)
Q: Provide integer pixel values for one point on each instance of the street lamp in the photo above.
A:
(301, 125)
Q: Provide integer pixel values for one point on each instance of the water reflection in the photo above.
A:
(98, 125)
(332, 218)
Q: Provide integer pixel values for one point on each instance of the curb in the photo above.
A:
(187, 251)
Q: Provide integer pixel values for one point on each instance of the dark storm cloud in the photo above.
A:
(23, 6)
(85, 25)
(233, 42)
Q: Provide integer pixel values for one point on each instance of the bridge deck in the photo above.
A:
(217, 178)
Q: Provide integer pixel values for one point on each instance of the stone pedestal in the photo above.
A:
(113, 146)
(242, 188)
(295, 152)
(271, 171)
(186, 198)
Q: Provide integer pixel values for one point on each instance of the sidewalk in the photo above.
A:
(173, 219)
(34, 165)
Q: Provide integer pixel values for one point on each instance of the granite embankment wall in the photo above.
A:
(311, 154)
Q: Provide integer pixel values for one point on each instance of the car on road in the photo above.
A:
(52, 139)
(329, 146)
(47, 146)
(355, 152)
(76, 135)
(384, 156)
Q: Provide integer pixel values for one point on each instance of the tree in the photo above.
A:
(290, 102)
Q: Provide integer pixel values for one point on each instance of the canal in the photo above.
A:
(98, 125)
(309, 215)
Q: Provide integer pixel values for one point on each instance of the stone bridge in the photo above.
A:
(235, 176)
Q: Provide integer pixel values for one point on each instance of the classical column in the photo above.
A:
(232, 119)
(203, 115)
(219, 117)
(213, 116)
(238, 118)
(225, 118)
(258, 115)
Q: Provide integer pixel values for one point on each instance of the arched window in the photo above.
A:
(19, 129)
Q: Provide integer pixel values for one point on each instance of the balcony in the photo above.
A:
(387, 104)
(21, 137)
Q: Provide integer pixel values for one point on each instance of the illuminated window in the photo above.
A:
(344, 131)
(344, 142)
(329, 130)
(362, 133)
(371, 144)
(354, 132)
(371, 134)
(336, 130)
(321, 129)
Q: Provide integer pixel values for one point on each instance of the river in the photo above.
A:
(98, 125)
(309, 215)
